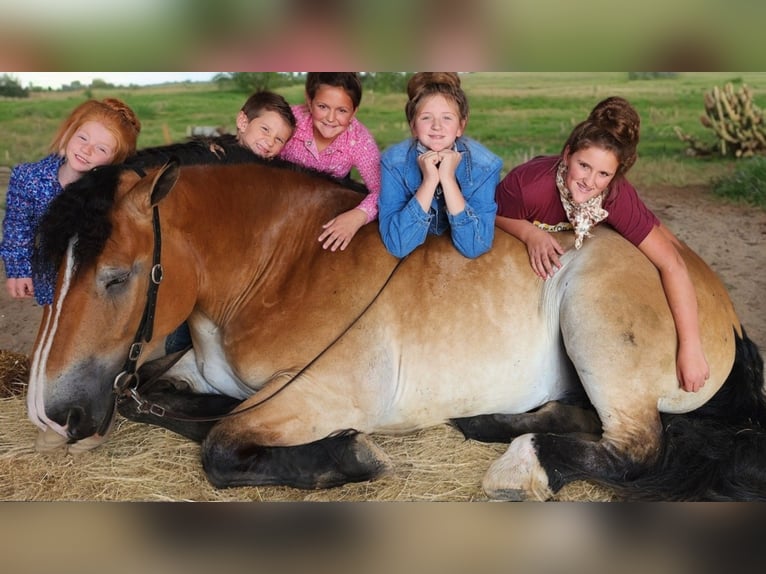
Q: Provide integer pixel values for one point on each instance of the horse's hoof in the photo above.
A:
(517, 474)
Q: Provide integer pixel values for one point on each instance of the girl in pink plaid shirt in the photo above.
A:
(329, 138)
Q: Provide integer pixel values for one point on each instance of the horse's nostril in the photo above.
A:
(73, 420)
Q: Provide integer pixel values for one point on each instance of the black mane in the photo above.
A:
(82, 209)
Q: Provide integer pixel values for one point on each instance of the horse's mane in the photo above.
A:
(83, 208)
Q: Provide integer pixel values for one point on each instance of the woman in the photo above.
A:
(585, 186)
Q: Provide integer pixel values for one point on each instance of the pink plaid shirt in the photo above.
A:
(355, 147)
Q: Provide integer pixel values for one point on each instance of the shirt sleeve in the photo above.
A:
(18, 227)
(403, 223)
(509, 198)
(629, 215)
(367, 163)
(473, 230)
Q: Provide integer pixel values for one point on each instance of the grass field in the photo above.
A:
(516, 114)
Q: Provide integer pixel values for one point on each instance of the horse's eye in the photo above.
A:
(117, 280)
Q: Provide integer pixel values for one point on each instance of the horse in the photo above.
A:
(300, 354)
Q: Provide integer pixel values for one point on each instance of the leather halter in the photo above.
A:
(126, 381)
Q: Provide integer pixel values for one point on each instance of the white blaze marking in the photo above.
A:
(37, 381)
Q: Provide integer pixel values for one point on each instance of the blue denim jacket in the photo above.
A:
(403, 223)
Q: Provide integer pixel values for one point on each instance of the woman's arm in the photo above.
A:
(542, 248)
(691, 365)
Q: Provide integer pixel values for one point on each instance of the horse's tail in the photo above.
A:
(717, 452)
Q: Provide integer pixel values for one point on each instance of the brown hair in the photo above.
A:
(350, 82)
(115, 115)
(267, 101)
(614, 125)
(424, 84)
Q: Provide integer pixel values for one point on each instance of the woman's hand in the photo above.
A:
(544, 251)
(340, 230)
(20, 287)
(692, 369)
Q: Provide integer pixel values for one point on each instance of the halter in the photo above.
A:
(128, 375)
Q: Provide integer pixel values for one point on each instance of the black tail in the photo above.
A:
(718, 452)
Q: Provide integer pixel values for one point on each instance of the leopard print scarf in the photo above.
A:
(582, 216)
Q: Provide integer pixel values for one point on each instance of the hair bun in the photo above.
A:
(422, 79)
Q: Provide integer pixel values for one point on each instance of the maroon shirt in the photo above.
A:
(529, 192)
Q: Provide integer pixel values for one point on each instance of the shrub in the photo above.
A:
(747, 183)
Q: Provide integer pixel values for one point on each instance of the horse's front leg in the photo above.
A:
(169, 405)
(292, 440)
(345, 457)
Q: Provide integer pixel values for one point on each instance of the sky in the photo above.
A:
(56, 79)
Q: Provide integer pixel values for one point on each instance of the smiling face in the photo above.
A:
(437, 123)
(90, 146)
(331, 113)
(265, 135)
(589, 172)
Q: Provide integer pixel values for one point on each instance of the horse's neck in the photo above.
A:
(264, 244)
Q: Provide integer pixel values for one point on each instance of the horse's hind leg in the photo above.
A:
(536, 466)
(333, 461)
(553, 416)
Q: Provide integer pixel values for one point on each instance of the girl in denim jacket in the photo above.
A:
(438, 180)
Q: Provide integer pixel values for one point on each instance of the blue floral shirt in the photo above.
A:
(403, 223)
(31, 189)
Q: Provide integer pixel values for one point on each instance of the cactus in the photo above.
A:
(736, 121)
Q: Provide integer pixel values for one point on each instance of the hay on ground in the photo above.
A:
(144, 463)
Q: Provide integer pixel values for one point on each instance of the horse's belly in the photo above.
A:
(506, 383)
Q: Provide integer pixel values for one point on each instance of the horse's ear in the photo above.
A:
(165, 179)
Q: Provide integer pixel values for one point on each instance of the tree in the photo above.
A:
(386, 82)
(11, 88)
(256, 81)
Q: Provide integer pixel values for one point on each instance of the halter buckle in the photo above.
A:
(156, 274)
(135, 351)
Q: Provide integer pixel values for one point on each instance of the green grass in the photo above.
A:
(516, 114)
(747, 184)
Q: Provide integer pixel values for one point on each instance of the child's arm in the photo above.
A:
(691, 365)
(403, 223)
(18, 228)
(543, 249)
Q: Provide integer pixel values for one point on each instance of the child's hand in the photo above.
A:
(339, 231)
(20, 287)
(429, 165)
(544, 251)
(448, 161)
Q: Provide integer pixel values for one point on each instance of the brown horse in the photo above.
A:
(300, 353)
